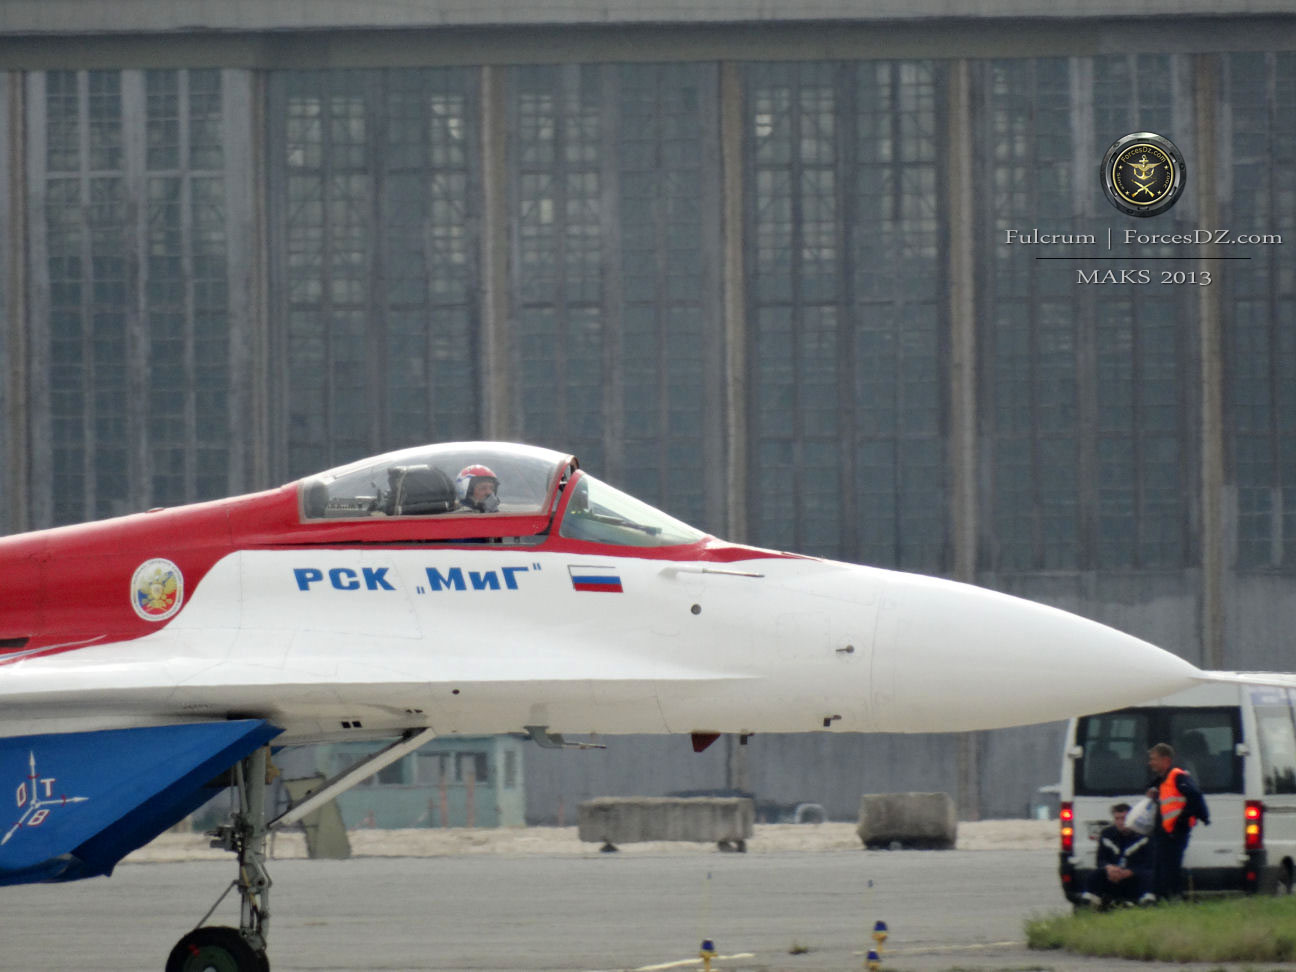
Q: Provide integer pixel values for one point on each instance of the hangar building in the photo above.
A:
(788, 271)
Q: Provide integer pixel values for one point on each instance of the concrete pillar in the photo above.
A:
(1206, 97)
(735, 298)
(40, 511)
(247, 250)
(496, 364)
(963, 389)
(139, 471)
(962, 315)
(13, 286)
(614, 425)
(737, 772)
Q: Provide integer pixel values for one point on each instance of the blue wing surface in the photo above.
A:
(74, 804)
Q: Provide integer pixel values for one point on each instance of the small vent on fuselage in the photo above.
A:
(351, 724)
(7, 644)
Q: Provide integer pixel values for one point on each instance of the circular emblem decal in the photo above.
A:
(1143, 174)
(157, 589)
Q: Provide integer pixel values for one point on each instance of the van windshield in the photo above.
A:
(1115, 744)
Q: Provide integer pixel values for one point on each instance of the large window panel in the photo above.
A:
(846, 303)
(899, 318)
(1085, 388)
(1143, 368)
(1030, 330)
(431, 218)
(1260, 327)
(797, 295)
(188, 287)
(380, 265)
(562, 316)
(613, 192)
(667, 197)
(131, 316)
(1140, 435)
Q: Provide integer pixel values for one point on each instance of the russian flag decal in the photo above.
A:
(605, 579)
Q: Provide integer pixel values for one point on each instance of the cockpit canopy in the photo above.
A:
(436, 481)
(601, 513)
(422, 481)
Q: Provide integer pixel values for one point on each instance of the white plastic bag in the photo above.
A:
(1141, 817)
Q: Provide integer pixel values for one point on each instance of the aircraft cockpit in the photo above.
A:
(439, 479)
(505, 489)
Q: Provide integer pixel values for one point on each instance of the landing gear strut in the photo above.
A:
(242, 949)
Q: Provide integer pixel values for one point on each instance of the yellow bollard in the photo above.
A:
(875, 955)
(707, 954)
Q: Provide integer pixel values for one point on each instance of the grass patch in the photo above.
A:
(1250, 929)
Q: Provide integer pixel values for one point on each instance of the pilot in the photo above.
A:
(478, 489)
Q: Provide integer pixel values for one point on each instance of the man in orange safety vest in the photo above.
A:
(1180, 805)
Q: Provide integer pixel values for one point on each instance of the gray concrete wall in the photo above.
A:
(1260, 623)
(559, 780)
(831, 769)
(306, 45)
(95, 16)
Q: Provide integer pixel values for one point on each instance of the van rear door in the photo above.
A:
(1113, 764)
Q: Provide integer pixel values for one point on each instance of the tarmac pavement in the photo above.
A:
(945, 910)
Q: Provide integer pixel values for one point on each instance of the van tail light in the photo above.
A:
(1066, 821)
(1253, 815)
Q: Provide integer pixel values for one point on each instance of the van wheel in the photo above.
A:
(1286, 879)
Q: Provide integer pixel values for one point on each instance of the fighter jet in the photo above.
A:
(463, 588)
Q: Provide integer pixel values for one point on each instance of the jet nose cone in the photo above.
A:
(960, 657)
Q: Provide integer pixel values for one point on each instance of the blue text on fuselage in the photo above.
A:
(375, 579)
(344, 578)
(484, 580)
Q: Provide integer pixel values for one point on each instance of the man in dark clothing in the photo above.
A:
(1124, 871)
(1180, 805)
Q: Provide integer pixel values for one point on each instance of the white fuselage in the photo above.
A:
(338, 641)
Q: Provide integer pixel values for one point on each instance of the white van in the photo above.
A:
(1239, 743)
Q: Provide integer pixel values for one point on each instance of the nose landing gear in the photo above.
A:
(216, 949)
(242, 949)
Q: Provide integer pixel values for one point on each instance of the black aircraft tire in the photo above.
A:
(216, 949)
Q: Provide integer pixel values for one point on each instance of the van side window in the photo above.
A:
(1277, 738)
(1115, 753)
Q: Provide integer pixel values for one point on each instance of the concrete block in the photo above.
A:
(624, 820)
(914, 820)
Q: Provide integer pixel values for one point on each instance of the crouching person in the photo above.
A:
(1125, 866)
